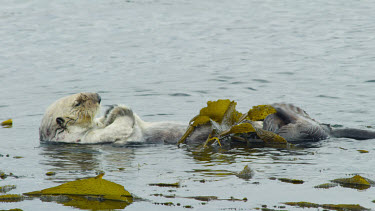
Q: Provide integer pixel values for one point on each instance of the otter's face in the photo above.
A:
(76, 110)
(83, 108)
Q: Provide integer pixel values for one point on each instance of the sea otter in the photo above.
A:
(71, 119)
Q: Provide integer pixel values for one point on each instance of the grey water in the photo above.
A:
(166, 59)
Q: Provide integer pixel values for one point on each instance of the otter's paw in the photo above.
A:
(115, 111)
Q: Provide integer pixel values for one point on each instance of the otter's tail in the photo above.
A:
(357, 134)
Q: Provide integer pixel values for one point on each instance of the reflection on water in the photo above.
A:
(70, 159)
(85, 203)
(62, 157)
(165, 59)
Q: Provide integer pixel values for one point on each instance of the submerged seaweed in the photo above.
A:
(246, 173)
(11, 198)
(175, 185)
(340, 207)
(293, 181)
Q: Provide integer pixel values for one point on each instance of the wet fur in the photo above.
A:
(72, 120)
(296, 126)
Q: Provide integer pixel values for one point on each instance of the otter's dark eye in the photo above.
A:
(78, 103)
(60, 121)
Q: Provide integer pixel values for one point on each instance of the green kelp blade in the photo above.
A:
(260, 112)
(355, 182)
(230, 117)
(216, 110)
(199, 120)
(89, 187)
(8, 122)
(241, 128)
(186, 134)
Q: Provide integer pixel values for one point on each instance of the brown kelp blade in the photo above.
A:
(269, 137)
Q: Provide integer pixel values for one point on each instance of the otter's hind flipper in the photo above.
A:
(303, 131)
(357, 134)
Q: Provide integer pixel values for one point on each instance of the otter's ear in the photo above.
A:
(60, 121)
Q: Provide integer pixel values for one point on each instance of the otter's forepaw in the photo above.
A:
(115, 111)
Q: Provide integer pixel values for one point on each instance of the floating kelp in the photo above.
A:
(93, 187)
(3, 175)
(174, 185)
(202, 198)
(7, 188)
(326, 185)
(355, 182)
(246, 173)
(220, 111)
(11, 198)
(229, 126)
(7, 123)
(362, 151)
(340, 207)
(260, 112)
(51, 173)
(293, 181)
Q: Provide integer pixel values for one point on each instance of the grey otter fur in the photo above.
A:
(295, 125)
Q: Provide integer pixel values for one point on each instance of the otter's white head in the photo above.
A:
(74, 111)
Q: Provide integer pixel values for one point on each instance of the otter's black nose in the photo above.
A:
(99, 98)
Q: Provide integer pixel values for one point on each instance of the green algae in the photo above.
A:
(246, 173)
(339, 207)
(362, 151)
(293, 181)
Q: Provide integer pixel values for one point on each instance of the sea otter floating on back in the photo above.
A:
(71, 119)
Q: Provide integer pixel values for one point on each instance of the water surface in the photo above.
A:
(165, 59)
